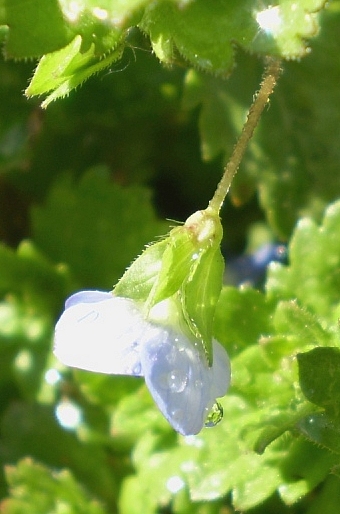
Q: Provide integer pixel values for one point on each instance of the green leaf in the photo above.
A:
(205, 37)
(35, 28)
(286, 26)
(32, 291)
(290, 164)
(305, 467)
(242, 317)
(328, 498)
(292, 319)
(322, 430)
(67, 68)
(210, 465)
(28, 275)
(319, 373)
(56, 23)
(90, 36)
(201, 35)
(282, 162)
(221, 116)
(36, 489)
(95, 226)
(29, 429)
(315, 248)
(135, 414)
(281, 422)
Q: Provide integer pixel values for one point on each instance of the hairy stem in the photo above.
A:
(269, 80)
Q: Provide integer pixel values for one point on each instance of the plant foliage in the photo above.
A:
(86, 184)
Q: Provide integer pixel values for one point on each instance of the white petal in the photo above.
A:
(179, 379)
(100, 335)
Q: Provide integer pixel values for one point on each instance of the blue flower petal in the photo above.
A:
(100, 332)
(87, 297)
(107, 334)
(220, 371)
(179, 379)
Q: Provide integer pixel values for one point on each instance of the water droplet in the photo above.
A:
(215, 415)
(171, 356)
(177, 414)
(137, 369)
(177, 380)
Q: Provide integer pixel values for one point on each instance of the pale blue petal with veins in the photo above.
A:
(103, 333)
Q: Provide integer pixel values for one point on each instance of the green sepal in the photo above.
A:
(160, 270)
(186, 266)
(138, 280)
(201, 293)
(176, 265)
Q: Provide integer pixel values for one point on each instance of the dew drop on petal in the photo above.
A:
(137, 369)
(177, 380)
(214, 416)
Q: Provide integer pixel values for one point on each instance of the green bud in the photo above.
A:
(187, 266)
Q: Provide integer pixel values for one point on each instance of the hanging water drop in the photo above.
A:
(214, 416)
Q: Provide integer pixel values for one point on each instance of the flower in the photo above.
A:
(109, 334)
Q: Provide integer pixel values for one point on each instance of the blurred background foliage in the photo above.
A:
(84, 185)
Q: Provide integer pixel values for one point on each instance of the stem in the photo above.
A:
(269, 80)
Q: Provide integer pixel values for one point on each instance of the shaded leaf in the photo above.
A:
(36, 489)
(29, 429)
(96, 227)
(319, 374)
